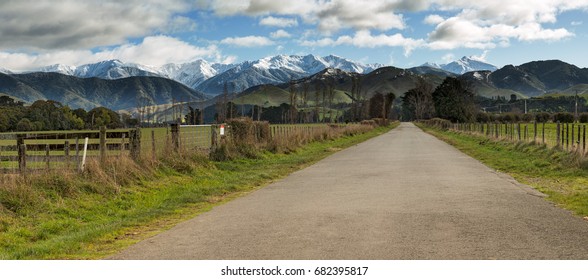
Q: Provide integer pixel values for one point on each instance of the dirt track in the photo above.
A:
(403, 195)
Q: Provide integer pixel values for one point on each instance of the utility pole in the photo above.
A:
(525, 106)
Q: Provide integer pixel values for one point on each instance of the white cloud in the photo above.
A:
(448, 58)
(364, 39)
(248, 41)
(481, 57)
(576, 23)
(280, 34)
(72, 24)
(154, 51)
(279, 22)
(433, 19)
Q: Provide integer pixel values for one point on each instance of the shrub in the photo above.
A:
(542, 117)
(584, 118)
(527, 117)
(563, 117)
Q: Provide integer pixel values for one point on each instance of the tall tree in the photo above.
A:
(454, 100)
(418, 103)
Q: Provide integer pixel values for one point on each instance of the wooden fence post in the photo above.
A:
(535, 132)
(47, 152)
(557, 132)
(122, 144)
(213, 138)
(22, 158)
(135, 143)
(567, 136)
(543, 133)
(102, 144)
(22, 153)
(573, 138)
(66, 153)
(153, 152)
(175, 136)
(77, 151)
(584, 138)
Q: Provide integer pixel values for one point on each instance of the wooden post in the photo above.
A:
(519, 130)
(175, 135)
(47, 152)
(153, 152)
(584, 139)
(567, 136)
(543, 134)
(22, 153)
(573, 138)
(526, 132)
(135, 143)
(213, 138)
(557, 133)
(22, 158)
(122, 144)
(66, 153)
(77, 150)
(102, 144)
(535, 132)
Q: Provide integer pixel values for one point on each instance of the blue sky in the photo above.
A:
(402, 33)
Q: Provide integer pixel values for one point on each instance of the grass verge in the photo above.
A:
(58, 221)
(561, 175)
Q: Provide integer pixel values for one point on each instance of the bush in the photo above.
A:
(542, 117)
(527, 117)
(584, 118)
(438, 123)
(563, 117)
(483, 117)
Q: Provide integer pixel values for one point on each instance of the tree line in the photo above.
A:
(47, 115)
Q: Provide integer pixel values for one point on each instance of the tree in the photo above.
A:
(454, 100)
(103, 116)
(377, 105)
(194, 116)
(417, 103)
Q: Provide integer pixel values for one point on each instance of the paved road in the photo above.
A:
(403, 195)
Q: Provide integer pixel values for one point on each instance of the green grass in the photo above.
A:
(57, 219)
(562, 175)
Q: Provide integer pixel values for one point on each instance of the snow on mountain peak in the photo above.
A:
(464, 65)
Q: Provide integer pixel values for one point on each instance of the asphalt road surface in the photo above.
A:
(402, 195)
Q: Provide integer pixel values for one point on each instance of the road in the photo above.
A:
(402, 195)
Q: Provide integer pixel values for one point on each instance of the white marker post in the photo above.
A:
(222, 129)
(84, 155)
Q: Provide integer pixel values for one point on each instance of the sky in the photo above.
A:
(401, 33)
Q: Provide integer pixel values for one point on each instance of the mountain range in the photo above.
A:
(210, 78)
(463, 65)
(120, 85)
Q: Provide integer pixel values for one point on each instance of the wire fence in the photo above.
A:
(566, 136)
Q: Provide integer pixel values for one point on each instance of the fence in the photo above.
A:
(566, 136)
(22, 152)
(38, 151)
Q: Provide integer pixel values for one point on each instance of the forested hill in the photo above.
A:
(89, 93)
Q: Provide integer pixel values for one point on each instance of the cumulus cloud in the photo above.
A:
(154, 51)
(364, 39)
(72, 24)
(248, 41)
(280, 34)
(433, 19)
(279, 22)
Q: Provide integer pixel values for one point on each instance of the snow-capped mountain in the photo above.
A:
(5, 71)
(58, 68)
(114, 69)
(278, 69)
(194, 73)
(464, 65)
(211, 77)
